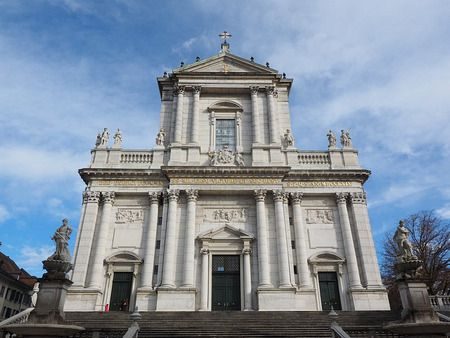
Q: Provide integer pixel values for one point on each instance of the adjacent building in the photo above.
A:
(225, 212)
(16, 288)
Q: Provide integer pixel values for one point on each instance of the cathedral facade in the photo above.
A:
(224, 213)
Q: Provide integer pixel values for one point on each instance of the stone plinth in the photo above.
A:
(47, 319)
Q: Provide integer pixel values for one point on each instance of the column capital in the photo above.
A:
(285, 198)
(296, 197)
(341, 197)
(153, 196)
(271, 90)
(91, 196)
(173, 194)
(254, 90)
(246, 251)
(108, 197)
(192, 195)
(358, 197)
(204, 251)
(278, 195)
(196, 90)
(260, 195)
(179, 90)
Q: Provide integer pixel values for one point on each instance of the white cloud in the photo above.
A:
(4, 213)
(444, 211)
(31, 258)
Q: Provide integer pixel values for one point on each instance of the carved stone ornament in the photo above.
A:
(179, 90)
(254, 90)
(154, 197)
(129, 215)
(196, 89)
(226, 215)
(296, 197)
(91, 196)
(173, 194)
(319, 216)
(108, 197)
(358, 198)
(225, 157)
(260, 195)
(271, 90)
(204, 251)
(341, 197)
(246, 251)
(192, 195)
(278, 195)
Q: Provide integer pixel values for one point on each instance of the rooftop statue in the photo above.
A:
(104, 138)
(118, 138)
(331, 139)
(288, 138)
(346, 140)
(160, 137)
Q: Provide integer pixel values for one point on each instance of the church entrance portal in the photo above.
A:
(226, 291)
(121, 291)
(329, 291)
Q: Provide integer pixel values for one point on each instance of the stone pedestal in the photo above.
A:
(418, 316)
(175, 299)
(47, 319)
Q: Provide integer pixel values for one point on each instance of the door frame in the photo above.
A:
(241, 279)
(214, 242)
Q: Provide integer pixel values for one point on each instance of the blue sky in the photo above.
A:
(68, 68)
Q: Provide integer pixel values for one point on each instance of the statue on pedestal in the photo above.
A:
(331, 139)
(288, 138)
(160, 137)
(118, 138)
(404, 245)
(61, 238)
(346, 140)
(104, 138)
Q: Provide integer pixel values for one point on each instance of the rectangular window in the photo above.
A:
(2, 291)
(155, 270)
(158, 244)
(225, 134)
(295, 270)
(293, 244)
(159, 220)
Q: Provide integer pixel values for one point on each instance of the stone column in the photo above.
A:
(370, 268)
(273, 118)
(168, 276)
(85, 237)
(300, 241)
(150, 241)
(195, 114)
(204, 282)
(282, 253)
(247, 280)
(189, 239)
(256, 119)
(350, 253)
(263, 246)
(97, 273)
(179, 114)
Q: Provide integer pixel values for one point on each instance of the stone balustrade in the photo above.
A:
(314, 159)
(118, 158)
(440, 303)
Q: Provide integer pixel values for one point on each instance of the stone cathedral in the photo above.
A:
(224, 213)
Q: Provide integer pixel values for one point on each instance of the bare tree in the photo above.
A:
(430, 238)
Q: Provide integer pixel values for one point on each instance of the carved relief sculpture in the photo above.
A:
(225, 215)
(319, 216)
(125, 215)
(225, 157)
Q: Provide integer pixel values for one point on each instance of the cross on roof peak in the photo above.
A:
(225, 46)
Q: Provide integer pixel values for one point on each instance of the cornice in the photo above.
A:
(87, 174)
(359, 175)
(200, 171)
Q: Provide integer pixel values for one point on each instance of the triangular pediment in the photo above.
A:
(226, 232)
(225, 63)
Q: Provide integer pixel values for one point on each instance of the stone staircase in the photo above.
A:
(233, 324)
